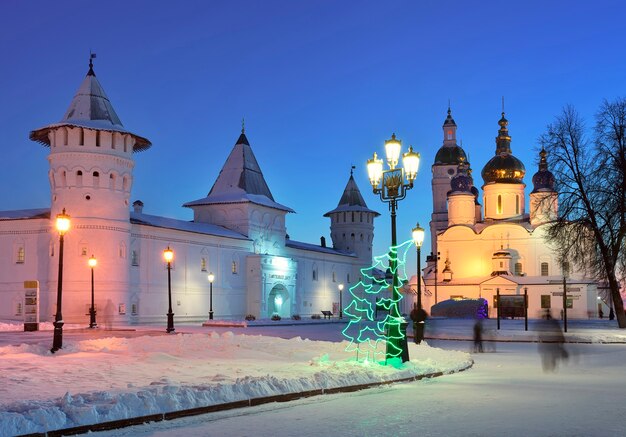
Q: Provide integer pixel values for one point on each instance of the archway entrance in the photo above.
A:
(278, 301)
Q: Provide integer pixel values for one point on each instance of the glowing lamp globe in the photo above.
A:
(392, 149)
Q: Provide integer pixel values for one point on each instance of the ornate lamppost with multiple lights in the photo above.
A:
(418, 239)
(211, 279)
(92, 311)
(62, 225)
(340, 286)
(168, 254)
(390, 185)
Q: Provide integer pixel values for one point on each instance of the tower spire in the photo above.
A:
(91, 58)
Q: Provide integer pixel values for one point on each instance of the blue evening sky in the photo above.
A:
(321, 85)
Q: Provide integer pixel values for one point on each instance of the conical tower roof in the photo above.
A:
(90, 108)
(240, 180)
(351, 200)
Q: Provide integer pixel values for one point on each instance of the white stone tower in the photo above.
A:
(91, 174)
(352, 224)
(445, 167)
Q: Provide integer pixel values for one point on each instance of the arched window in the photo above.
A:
(64, 130)
(544, 269)
(97, 138)
(203, 264)
(20, 256)
(499, 209)
(96, 179)
(125, 183)
(112, 181)
(81, 137)
(516, 204)
(135, 258)
(79, 178)
(518, 269)
(233, 267)
(352, 217)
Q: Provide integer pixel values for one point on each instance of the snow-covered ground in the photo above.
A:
(135, 371)
(99, 377)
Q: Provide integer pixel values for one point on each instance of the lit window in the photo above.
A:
(20, 255)
(544, 269)
(203, 264)
(234, 267)
(516, 204)
(499, 210)
(83, 251)
(518, 269)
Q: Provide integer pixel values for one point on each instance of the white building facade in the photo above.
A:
(238, 233)
(499, 247)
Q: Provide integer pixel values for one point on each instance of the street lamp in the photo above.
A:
(92, 311)
(389, 184)
(418, 239)
(168, 254)
(340, 286)
(62, 225)
(211, 279)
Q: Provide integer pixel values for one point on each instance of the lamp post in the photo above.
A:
(92, 311)
(389, 184)
(418, 239)
(340, 286)
(211, 279)
(168, 254)
(62, 225)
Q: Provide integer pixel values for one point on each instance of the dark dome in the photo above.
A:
(504, 168)
(543, 180)
(461, 182)
(449, 155)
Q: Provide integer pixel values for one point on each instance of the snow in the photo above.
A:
(135, 371)
(93, 380)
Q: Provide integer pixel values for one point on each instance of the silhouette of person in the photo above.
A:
(551, 342)
(478, 335)
(418, 316)
(109, 309)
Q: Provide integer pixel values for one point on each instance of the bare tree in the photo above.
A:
(590, 174)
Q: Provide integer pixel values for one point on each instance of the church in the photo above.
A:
(238, 235)
(498, 248)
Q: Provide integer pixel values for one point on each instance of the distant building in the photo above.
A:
(478, 251)
(238, 233)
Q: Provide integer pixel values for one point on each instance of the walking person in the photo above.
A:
(478, 335)
(418, 316)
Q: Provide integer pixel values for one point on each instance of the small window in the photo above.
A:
(361, 217)
(544, 269)
(83, 251)
(545, 301)
(518, 269)
(20, 256)
(314, 275)
(516, 204)
(79, 178)
(499, 210)
(18, 309)
(334, 277)
(344, 217)
(348, 278)
(353, 217)
(122, 250)
(203, 264)
(134, 258)
(81, 137)
(234, 267)
(97, 138)
(133, 309)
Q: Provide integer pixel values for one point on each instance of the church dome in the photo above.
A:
(543, 180)
(504, 167)
(462, 181)
(449, 155)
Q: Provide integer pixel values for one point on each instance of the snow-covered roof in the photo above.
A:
(182, 225)
(240, 181)
(351, 200)
(315, 248)
(90, 108)
(25, 214)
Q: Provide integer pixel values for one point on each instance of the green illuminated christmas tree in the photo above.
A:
(368, 336)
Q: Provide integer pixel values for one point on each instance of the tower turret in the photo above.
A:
(461, 210)
(543, 198)
(91, 174)
(444, 168)
(352, 223)
(503, 191)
